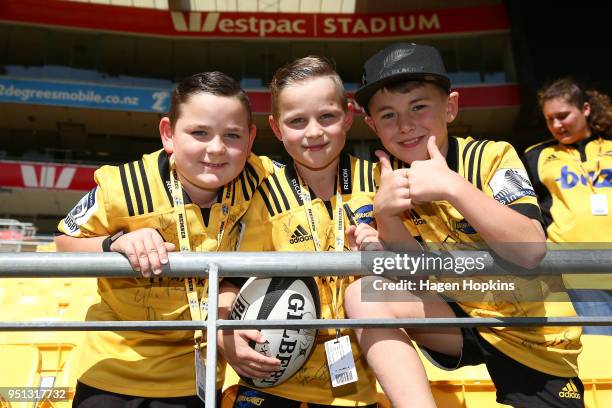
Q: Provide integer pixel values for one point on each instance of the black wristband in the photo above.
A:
(108, 241)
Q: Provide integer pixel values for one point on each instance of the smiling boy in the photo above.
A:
(448, 190)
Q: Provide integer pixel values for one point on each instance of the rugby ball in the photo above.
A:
(280, 298)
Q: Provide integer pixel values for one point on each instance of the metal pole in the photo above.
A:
(211, 335)
(290, 264)
(314, 324)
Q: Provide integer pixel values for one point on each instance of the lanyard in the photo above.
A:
(338, 219)
(590, 180)
(198, 308)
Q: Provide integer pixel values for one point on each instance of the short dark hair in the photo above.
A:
(214, 83)
(303, 69)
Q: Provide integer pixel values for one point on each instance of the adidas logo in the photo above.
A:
(300, 235)
(570, 391)
(550, 158)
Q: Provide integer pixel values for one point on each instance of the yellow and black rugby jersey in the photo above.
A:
(559, 175)
(276, 221)
(495, 168)
(129, 197)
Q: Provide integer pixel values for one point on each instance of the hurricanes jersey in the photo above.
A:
(495, 169)
(276, 221)
(129, 197)
(559, 175)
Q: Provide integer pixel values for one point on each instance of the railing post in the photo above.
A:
(211, 336)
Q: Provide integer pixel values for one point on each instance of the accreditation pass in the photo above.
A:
(340, 361)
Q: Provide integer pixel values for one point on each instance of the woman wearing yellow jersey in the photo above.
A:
(572, 176)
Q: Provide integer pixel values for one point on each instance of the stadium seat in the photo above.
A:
(24, 362)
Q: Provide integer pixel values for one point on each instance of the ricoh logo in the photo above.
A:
(346, 179)
(569, 179)
(245, 25)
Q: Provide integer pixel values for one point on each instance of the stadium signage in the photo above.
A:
(344, 25)
(46, 176)
(144, 21)
(88, 95)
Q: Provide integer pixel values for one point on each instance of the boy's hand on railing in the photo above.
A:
(145, 249)
(234, 345)
(363, 237)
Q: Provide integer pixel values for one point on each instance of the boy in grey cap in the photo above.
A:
(449, 190)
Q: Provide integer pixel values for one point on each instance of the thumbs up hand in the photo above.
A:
(393, 195)
(430, 180)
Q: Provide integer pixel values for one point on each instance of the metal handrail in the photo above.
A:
(292, 264)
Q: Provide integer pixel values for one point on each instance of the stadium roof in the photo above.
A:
(260, 6)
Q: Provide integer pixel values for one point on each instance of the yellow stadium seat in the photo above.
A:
(24, 363)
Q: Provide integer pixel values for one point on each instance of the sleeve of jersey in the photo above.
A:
(506, 180)
(531, 159)
(90, 217)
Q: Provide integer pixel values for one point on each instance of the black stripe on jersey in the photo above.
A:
(234, 191)
(163, 164)
(264, 197)
(344, 168)
(276, 182)
(370, 177)
(136, 187)
(145, 186)
(294, 184)
(480, 154)
(244, 187)
(251, 176)
(472, 161)
(273, 195)
(398, 164)
(221, 194)
(126, 190)
(466, 151)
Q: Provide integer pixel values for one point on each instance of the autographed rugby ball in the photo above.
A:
(280, 298)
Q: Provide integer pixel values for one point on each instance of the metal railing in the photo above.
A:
(245, 264)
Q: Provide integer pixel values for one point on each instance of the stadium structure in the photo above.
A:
(85, 82)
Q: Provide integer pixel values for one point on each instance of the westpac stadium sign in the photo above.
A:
(166, 23)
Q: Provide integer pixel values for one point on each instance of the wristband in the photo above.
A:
(108, 241)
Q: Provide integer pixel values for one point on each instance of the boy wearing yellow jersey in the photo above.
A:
(190, 196)
(306, 206)
(440, 189)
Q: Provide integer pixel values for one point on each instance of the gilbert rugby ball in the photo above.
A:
(280, 299)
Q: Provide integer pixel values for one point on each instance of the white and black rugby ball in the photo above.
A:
(280, 299)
